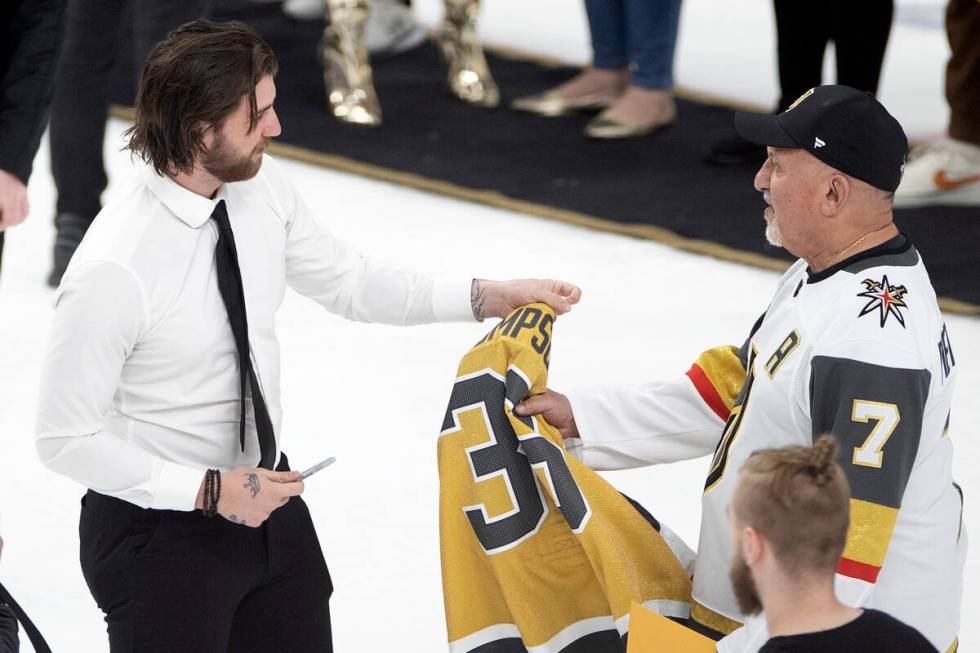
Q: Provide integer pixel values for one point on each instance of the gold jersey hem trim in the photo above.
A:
(713, 620)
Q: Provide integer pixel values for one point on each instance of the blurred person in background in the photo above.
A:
(859, 32)
(631, 76)
(347, 73)
(81, 103)
(948, 171)
(789, 519)
(30, 32)
(391, 27)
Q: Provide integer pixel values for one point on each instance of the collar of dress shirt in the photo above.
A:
(193, 209)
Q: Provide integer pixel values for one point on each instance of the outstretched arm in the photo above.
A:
(499, 298)
(621, 428)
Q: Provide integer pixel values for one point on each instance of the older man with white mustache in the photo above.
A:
(852, 343)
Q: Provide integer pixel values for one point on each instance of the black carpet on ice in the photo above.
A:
(658, 180)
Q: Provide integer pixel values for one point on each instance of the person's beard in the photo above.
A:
(222, 162)
(773, 235)
(746, 593)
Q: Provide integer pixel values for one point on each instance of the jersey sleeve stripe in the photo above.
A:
(708, 393)
(868, 536)
(859, 570)
(718, 375)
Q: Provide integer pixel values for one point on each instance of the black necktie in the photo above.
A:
(230, 285)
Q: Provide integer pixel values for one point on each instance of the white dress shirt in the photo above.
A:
(140, 387)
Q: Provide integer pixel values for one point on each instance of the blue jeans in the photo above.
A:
(640, 34)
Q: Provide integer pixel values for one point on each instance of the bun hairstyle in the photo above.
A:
(822, 456)
(797, 498)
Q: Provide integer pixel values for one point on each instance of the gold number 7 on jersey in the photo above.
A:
(886, 418)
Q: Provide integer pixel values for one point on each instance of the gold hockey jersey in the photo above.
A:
(539, 553)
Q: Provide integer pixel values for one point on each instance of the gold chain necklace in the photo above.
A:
(840, 254)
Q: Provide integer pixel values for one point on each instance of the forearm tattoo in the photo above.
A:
(252, 484)
(235, 519)
(478, 299)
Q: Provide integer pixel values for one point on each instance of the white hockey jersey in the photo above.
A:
(861, 351)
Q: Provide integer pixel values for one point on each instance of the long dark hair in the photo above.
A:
(191, 82)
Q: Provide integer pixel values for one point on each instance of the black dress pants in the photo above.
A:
(177, 581)
(858, 28)
(963, 70)
(81, 95)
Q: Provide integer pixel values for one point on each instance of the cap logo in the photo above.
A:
(797, 101)
(817, 143)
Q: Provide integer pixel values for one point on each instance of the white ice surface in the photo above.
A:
(374, 396)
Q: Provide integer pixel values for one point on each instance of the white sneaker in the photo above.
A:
(306, 10)
(946, 172)
(391, 29)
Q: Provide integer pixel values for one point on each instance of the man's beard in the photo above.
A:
(746, 593)
(773, 235)
(226, 166)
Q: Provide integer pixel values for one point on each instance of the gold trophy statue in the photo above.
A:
(347, 69)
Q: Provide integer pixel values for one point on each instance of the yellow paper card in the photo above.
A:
(652, 633)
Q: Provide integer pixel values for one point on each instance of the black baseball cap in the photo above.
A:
(845, 128)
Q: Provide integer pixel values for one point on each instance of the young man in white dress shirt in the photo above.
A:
(144, 397)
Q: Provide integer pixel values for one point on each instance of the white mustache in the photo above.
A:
(765, 197)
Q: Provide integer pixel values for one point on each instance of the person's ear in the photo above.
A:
(837, 190)
(752, 545)
(207, 137)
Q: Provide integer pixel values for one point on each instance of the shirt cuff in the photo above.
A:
(177, 487)
(578, 446)
(451, 299)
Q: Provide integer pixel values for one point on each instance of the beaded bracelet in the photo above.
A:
(212, 492)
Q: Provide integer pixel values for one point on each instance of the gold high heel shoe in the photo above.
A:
(469, 75)
(552, 103)
(346, 68)
(609, 125)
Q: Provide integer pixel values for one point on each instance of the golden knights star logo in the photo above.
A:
(885, 298)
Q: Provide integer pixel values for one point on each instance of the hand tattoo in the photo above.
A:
(252, 484)
(478, 299)
(235, 519)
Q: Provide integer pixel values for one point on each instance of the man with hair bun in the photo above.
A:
(789, 517)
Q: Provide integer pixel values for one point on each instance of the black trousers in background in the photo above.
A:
(177, 581)
(81, 95)
(963, 70)
(858, 28)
